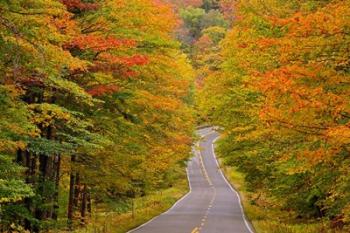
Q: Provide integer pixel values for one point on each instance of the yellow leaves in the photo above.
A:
(17, 229)
(64, 58)
(10, 145)
(346, 213)
(65, 24)
(45, 114)
(147, 16)
(170, 72)
(339, 135)
(158, 103)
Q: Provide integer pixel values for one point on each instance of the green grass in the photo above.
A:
(271, 220)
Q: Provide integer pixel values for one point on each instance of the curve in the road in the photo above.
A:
(211, 206)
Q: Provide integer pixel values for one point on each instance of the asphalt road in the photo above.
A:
(211, 206)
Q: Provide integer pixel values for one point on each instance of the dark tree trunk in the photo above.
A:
(19, 157)
(71, 193)
(77, 189)
(40, 212)
(57, 182)
(89, 204)
(83, 204)
(29, 165)
(47, 184)
(30, 162)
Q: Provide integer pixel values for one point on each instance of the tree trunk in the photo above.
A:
(19, 157)
(77, 189)
(83, 204)
(71, 193)
(57, 183)
(89, 204)
(30, 163)
(44, 169)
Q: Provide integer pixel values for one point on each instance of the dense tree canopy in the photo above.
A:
(282, 97)
(96, 93)
(98, 100)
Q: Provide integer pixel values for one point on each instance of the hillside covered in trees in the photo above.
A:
(99, 101)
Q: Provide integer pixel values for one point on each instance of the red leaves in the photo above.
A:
(79, 5)
(107, 62)
(127, 61)
(99, 43)
(136, 60)
(100, 90)
(120, 65)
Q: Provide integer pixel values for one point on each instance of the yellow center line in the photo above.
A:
(206, 176)
(195, 230)
(204, 169)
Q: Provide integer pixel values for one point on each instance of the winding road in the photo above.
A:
(211, 206)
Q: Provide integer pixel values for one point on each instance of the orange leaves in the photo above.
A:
(314, 157)
(329, 20)
(123, 66)
(99, 43)
(276, 21)
(135, 60)
(204, 42)
(101, 90)
(158, 103)
(295, 62)
(285, 77)
(267, 42)
(339, 135)
(127, 61)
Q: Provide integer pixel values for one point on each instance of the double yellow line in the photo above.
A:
(206, 176)
(204, 170)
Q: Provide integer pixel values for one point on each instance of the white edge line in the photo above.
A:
(175, 204)
(189, 183)
(233, 190)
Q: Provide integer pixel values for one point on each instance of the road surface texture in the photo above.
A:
(211, 206)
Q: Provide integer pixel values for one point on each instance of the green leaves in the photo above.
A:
(50, 147)
(13, 191)
(12, 188)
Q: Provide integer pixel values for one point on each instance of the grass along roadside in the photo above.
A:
(268, 220)
(144, 208)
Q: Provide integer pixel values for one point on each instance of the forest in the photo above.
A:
(95, 107)
(281, 95)
(100, 100)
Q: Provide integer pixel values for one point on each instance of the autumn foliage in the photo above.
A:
(282, 97)
(79, 5)
(95, 108)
